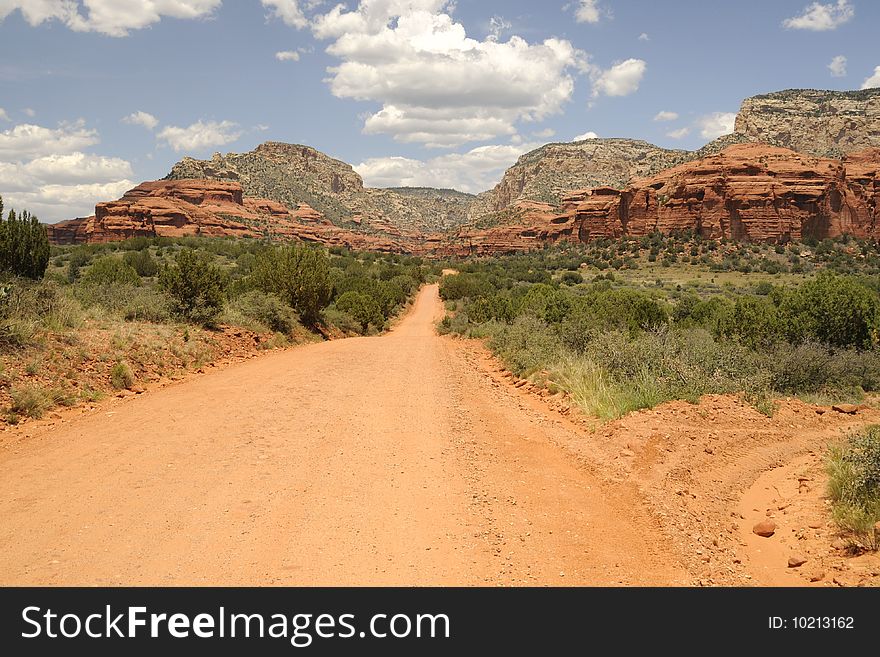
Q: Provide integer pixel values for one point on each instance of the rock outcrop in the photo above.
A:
(209, 208)
(766, 181)
(823, 123)
(293, 174)
(748, 192)
(548, 173)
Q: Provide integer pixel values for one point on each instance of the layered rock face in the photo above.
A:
(823, 123)
(748, 192)
(294, 174)
(725, 189)
(208, 208)
(547, 174)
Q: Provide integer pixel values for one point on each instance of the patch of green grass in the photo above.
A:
(121, 376)
(35, 401)
(854, 485)
(596, 393)
(91, 395)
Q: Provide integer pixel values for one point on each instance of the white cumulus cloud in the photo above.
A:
(716, 124)
(589, 11)
(666, 116)
(111, 17)
(873, 81)
(586, 135)
(45, 170)
(498, 26)
(819, 17)
(681, 133)
(78, 168)
(200, 135)
(474, 171)
(838, 66)
(28, 141)
(437, 86)
(644, 37)
(52, 202)
(287, 11)
(622, 79)
(144, 119)
(287, 56)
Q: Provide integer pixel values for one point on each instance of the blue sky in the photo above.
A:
(98, 95)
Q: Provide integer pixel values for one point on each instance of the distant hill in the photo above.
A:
(324, 199)
(548, 173)
(294, 174)
(822, 123)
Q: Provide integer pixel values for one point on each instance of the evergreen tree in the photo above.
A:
(299, 275)
(24, 245)
(197, 287)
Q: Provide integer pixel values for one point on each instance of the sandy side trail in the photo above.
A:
(385, 460)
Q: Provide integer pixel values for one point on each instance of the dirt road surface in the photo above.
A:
(384, 461)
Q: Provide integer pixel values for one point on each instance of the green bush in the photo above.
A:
(110, 271)
(464, 285)
(196, 286)
(854, 485)
(121, 376)
(35, 401)
(266, 309)
(143, 304)
(362, 308)
(526, 345)
(24, 245)
(142, 262)
(26, 306)
(811, 367)
(610, 310)
(753, 321)
(340, 320)
(832, 309)
(298, 274)
(456, 324)
(79, 258)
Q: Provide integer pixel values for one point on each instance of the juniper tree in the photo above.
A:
(24, 244)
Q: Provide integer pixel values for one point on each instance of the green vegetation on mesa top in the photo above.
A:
(623, 325)
(787, 94)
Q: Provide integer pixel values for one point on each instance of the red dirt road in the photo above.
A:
(387, 460)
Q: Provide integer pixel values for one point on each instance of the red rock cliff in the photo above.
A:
(208, 208)
(749, 192)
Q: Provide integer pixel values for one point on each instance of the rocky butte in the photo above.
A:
(800, 163)
(294, 174)
(208, 208)
(749, 192)
(824, 123)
